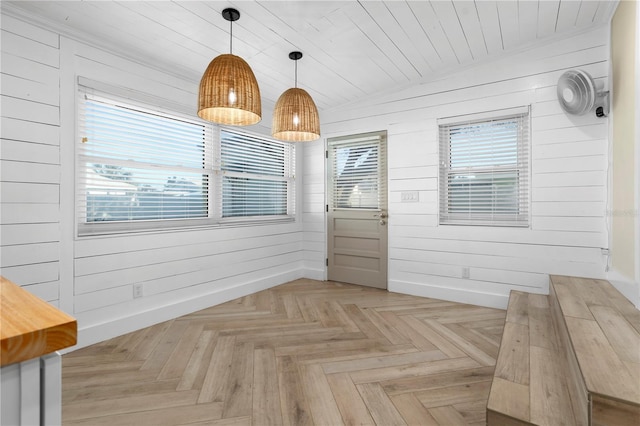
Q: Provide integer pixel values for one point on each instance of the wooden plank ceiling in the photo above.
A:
(352, 49)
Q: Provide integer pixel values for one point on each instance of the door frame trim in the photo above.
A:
(351, 136)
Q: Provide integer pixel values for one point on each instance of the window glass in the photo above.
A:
(256, 175)
(140, 169)
(355, 174)
(484, 171)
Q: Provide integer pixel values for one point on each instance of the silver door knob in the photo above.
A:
(383, 222)
(382, 215)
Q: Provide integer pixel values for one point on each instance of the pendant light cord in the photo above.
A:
(296, 79)
(231, 38)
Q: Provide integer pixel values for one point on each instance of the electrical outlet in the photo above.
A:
(137, 290)
(465, 272)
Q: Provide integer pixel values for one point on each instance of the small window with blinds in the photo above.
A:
(257, 176)
(484, 169)
(142, 169)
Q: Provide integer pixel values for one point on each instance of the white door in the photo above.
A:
(357, 209)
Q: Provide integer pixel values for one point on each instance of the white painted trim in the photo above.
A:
(30, 390)
(609, 177)
(51, 389)
(484, 115)
(315, 274)
(68, 115)
(637, 149)
(489, 300)
(325, 182)
(95, 333)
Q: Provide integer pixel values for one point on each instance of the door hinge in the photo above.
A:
(326, 261)
(326, 154)
(326, 208)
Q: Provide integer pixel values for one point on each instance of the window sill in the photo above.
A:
(104, 229)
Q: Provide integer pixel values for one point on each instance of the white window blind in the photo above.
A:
(357, 166)
(141, 169)
(484, 169)
(257, 175)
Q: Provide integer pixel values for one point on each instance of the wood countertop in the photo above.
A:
(29, 326)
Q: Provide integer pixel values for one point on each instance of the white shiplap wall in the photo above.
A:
(92, 278)
(30, 158)
(568, 179)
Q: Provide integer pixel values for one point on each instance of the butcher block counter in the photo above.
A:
(30, 327)
(31, 331)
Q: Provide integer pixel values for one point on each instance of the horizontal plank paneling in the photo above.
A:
(25, 109)
(121, 257)
(172, 268)
(19, 87)
(277, 257)
(21, 171)
(29, 233)
(29, 131)
(32, 274)
(29, 254)
(47, 291)
(30, 158)
(568, 172)
(32, 32)
(107, 303)
(30, 152)
(19, 192)
(588, 265)
(27, 48)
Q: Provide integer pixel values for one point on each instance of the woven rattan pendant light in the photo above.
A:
(229, 92)
(295, 117)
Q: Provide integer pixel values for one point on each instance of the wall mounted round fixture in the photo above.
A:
(295, 117)
(229, 92)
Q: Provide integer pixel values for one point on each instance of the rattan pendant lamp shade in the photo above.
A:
(229, 92)
(295, 117)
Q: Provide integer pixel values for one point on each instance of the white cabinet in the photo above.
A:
(31, 392)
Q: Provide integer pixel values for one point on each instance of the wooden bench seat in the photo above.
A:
(529, 385)
(572, 357)
(602, 329)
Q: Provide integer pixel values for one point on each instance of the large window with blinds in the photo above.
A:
(484, 169)
(142, 169)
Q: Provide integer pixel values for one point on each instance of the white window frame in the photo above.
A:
(211, 153)
(521, 167)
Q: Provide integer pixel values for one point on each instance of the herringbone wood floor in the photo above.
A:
(302, 353)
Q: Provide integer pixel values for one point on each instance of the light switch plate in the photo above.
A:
(409, 196)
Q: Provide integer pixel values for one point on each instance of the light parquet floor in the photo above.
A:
(302, 353)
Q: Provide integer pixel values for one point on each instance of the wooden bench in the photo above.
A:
(572, 357)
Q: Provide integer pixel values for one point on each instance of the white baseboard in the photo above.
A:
(314, 274)
(95, 333)
(489, 300)
(628, 287)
